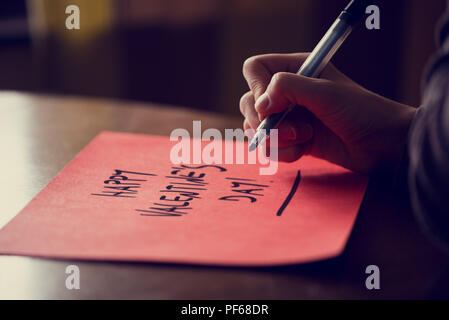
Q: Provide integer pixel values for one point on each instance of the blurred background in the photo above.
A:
(190, 52)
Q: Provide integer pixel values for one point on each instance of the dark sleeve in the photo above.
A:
(428, 147)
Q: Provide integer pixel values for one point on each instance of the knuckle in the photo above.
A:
(246, 124)
(255, 86)
(250, 63)
(245, 102)
(242, 107)
(247, 64)
(278, 81)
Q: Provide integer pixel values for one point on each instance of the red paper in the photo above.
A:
(70, 219)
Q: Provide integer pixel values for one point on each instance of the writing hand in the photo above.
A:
(341, 121)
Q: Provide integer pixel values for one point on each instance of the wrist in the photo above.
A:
(398, 147)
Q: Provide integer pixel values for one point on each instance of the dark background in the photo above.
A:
(190, 52)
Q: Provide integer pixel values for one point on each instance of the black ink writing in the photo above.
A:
(185, 184)
(123, 184)
(245, 189)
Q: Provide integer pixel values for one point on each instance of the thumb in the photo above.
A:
(285, 89)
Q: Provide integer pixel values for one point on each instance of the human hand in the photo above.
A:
(341, 121)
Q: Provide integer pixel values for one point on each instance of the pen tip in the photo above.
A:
(255, 141)
(252, 146)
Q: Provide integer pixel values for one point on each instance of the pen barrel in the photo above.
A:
(272, 121)
(325, 49)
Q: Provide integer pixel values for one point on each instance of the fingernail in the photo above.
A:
(291, 135)
(262, 103)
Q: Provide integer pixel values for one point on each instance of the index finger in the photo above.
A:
(258, 70)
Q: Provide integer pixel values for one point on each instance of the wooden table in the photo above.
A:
(40, 134)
